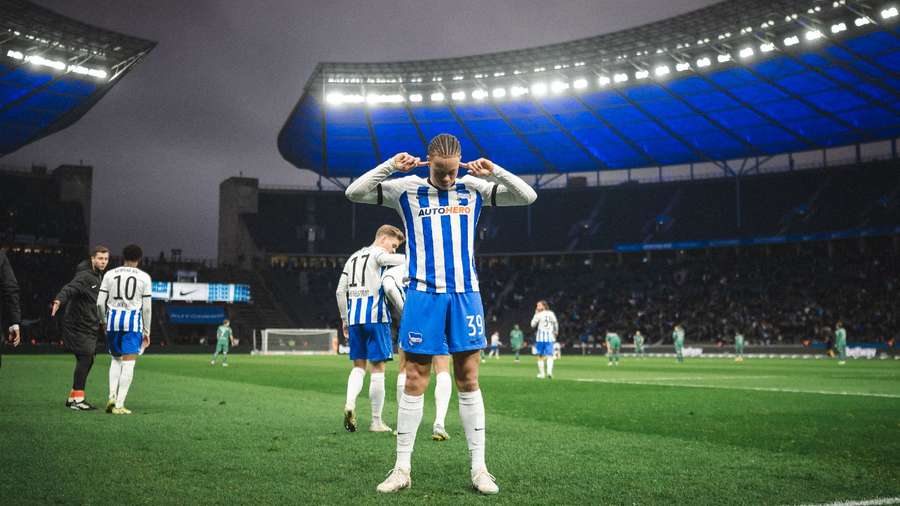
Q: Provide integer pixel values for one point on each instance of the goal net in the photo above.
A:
(298, 342)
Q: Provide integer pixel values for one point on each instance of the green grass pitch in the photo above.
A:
(267, 430)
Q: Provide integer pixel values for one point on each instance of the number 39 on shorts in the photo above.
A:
(476, 325)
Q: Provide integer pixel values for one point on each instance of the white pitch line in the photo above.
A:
(725, 387)
(871, 502)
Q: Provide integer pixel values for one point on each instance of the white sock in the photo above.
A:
(550, 366)
(408, 420)
(354, 386)
(376, 394)
(115, 369)
(401, 384)
(125, 378)
(541, 367)
(471, 412)
(442, 389)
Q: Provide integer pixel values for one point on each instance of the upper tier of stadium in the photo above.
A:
(53, 69)
(740, 79)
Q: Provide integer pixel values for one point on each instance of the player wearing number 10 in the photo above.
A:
(443, 312)
(124, 306)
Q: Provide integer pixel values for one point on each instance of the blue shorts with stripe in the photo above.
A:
(442, 323)
(123, 343)
(371, 341)
(545, 348)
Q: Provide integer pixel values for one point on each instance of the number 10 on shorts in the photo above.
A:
(476, 325)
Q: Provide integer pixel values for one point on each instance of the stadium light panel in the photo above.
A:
(518, 91)
(479, 94)
(354, 99)
(662, 70)
(747, 52)
(458, 96)
(15, 55)
(580, 83)
(559, 86)
(838, 27)
(334, 98)
(863, 21)
(768, 47)
(683, 66)
(812, 35)
(620, 78)
(437, 97)
(40, 61)
(498, 92)
(890, 12)
(641, 74)
(457, 78)
(539, 89)
(603, 80)
(792, 41)
(703, 62)
(415, 97)
(723, 58)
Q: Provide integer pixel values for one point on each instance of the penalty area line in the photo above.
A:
(869, 502)
(728, 387)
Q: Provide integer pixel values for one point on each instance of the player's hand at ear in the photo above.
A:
(405, 162)
(479, 168)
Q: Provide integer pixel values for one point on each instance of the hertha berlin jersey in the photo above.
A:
(440, 224)
(547, 326)
(125, 291)
(440, 230)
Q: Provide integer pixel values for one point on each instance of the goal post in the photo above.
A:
(298, 342)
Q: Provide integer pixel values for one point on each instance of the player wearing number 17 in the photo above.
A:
(366, 321)
(443, 312)
(124, 306)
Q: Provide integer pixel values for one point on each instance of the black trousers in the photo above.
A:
(83, 365)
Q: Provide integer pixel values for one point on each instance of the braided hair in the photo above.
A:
(444, 146)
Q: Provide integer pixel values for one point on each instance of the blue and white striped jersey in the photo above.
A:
(440, 224)
(440, 230)
(546, 325)
(125, 299)
(361, 298)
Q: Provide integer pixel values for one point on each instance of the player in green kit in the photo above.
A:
(739, 346)
(224, 338)
(639, 343)
(840, 342)
(678, 338)
(516, 340)
(613, 345)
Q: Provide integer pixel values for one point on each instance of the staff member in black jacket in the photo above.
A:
(10, 315)
(81, 326)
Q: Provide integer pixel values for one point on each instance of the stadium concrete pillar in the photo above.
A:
(75, 185)
(237, 196)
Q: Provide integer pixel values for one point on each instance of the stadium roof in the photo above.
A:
(53, 69)
(739, 79)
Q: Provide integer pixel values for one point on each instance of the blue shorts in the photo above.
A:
(123, 343)
(371, 341)
(545, 349)
(442, 323)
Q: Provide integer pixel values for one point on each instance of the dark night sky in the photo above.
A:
(209, 101)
